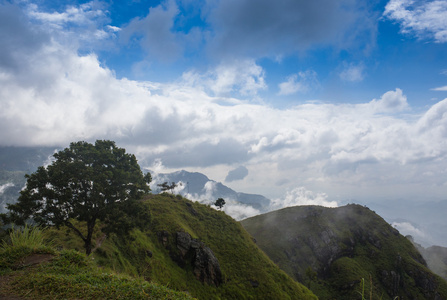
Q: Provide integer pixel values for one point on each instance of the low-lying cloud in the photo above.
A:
(302, 196)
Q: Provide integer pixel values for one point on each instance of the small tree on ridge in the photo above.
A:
(220, 202)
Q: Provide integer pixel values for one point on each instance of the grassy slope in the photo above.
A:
(242, 263)
(68, 274)
(343, 245)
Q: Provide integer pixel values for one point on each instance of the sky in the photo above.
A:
(322, 102)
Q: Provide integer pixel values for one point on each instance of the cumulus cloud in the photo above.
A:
(425, 19)
(299, 83)
(243, 77)
(391, 101)
(237, 174)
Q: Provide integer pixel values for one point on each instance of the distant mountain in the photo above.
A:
(436, 257)
(197, 186)
(341, 252)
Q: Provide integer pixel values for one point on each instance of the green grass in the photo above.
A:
(242, 263)
(68, 274)
(27, 236)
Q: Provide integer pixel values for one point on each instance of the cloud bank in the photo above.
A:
(52, 94)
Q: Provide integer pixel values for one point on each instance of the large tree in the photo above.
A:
(85, 182)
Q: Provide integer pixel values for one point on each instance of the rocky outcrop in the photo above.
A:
(205, 265)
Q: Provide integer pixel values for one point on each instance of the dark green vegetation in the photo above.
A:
(30, 269)
(220, 202)
(87, 183)
(342, 253)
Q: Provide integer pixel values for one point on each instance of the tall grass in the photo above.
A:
(27, 236)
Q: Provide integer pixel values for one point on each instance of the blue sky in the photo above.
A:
(318, 102)
(345, 52)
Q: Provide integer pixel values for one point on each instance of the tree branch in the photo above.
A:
(68, 224)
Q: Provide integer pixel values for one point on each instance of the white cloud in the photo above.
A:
(53, 96)
(406, 228)
(3, 187)
(240, 211)
(83, 26)
(440, 89)
(302, 196)
(243, 77)
(391, 101)
(353, 72)
(80, 15)
(425, 19)
(301, 82)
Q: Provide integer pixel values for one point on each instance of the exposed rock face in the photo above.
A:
(205, 265)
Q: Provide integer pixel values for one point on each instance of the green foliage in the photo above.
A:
(28, 236)
(86, 182)
(220, 202)
(166, 187)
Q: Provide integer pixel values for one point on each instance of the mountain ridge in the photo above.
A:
(344, 247)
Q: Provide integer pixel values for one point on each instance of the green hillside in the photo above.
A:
(30, 269)
(344, 253)
(192, 247)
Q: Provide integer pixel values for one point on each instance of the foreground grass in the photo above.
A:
(68, 274)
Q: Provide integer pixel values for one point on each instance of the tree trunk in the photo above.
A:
(88, 246)
(88, 239)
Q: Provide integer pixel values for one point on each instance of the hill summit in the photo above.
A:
(340, 252)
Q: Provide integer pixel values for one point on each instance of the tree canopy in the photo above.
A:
(165, 186)
(85, 182)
